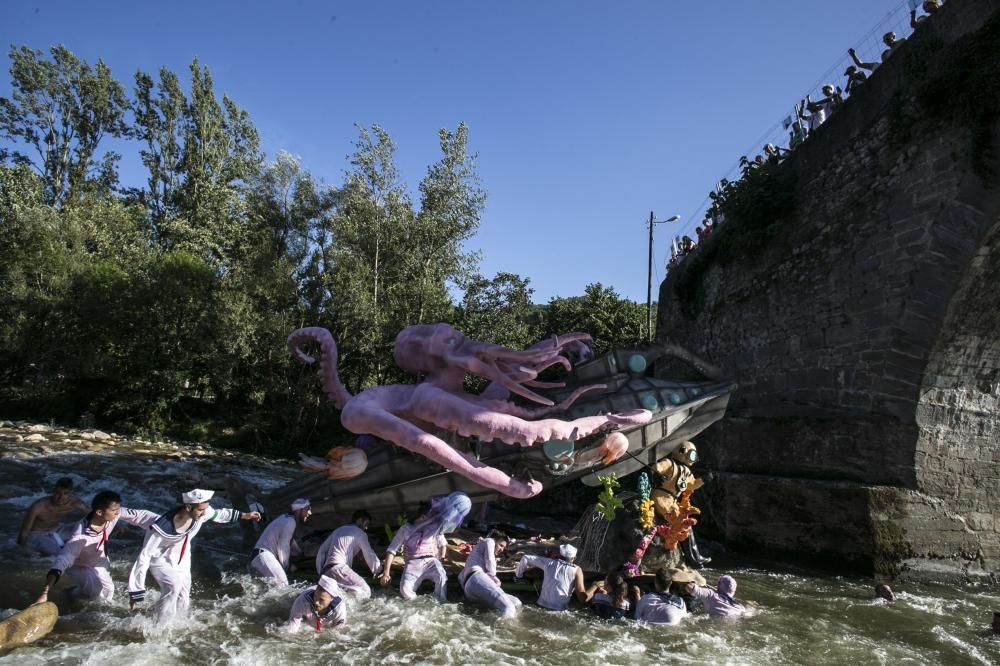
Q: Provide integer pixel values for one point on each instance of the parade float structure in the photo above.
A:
(606, 414)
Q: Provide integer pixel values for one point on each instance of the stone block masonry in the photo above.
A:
(866, 340)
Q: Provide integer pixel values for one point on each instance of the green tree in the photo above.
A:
(62, 108)
(613, 321)
(451, 204)
(221, 153)
(498, 310)
(159, 121)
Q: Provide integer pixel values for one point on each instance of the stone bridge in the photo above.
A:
(866, 334)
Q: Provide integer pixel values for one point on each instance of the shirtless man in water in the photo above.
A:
(39, 530)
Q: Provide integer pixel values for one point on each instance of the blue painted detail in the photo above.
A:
(558, 449)
(675, 398)
(637, 363)
(695, 391)
(650, 402)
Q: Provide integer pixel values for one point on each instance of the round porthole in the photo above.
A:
(650, 402)
(637, 363)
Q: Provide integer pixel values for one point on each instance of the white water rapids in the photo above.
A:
(801, 617)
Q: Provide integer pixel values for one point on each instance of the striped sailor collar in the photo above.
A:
(165, 523)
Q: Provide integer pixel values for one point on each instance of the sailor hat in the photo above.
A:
(568, 551)
(197, 496)
(301, 503)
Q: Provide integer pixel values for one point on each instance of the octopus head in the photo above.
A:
(437, 350)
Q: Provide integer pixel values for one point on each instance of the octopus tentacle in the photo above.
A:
(451, 412)
(525, 413)
(334, 390)
(366, 416)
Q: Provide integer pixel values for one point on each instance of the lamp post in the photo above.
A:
(649, 275)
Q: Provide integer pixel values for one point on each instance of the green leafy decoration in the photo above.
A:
(607, 501)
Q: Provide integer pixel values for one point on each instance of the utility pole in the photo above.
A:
(649, 275)
(649, 283)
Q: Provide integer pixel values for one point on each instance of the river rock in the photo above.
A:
(28, 626)
(36, 437)
(39, 427)
(101, 436)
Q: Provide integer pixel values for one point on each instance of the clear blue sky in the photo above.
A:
(586, 115)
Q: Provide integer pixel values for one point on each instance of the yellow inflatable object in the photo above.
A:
(28, 626)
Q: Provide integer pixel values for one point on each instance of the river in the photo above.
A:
(801, 617)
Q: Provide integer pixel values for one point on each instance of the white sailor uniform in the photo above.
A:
(85, 556)
(272, 553)
(480, 583)
(337, 553)
(166, 553)
(422, 557)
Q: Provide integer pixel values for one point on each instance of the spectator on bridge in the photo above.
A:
(855, 78)
(716, 215)
(890, 40)
(833, 96)
(687, 245)
(773, 153)
(814, 118)
(797, 134)
(930, 7)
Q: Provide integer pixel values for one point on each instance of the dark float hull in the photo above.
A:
(397, 480)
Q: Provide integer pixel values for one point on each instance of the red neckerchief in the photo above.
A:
(319, 623)
(183, 548)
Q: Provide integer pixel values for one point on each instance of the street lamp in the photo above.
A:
(649, 275)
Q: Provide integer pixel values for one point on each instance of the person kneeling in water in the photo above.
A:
(85, 556)
(665, 606)
(479, 577)
(422, 555)
(272, 553)
(562, 578)
(609, 599)
(337, 553)
(720, 602)
(321, 605)
(166, 551)
(40, 527)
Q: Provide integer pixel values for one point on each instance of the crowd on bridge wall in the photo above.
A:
(806, 118)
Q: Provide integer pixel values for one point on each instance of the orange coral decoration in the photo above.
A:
(679, 521)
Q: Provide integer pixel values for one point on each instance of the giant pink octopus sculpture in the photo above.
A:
(440, 356)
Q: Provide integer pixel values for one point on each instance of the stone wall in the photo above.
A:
(866, 340)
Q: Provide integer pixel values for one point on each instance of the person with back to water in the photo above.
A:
(609, 599)
(422, 554)
(479, 577)
(85, 557)
(320, 606)
(665, 606)
(562, 578)
(271, 557)
(337, 553)
(166, 551)
(721, 601)
(883, 591)
(40, 527)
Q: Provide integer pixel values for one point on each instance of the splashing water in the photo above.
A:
(236, 619)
